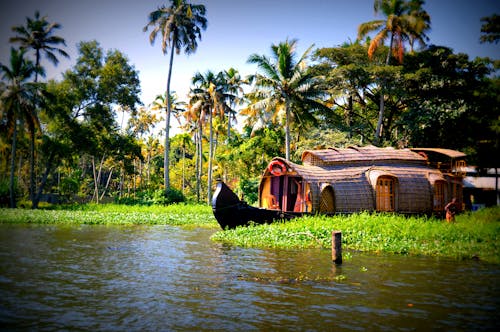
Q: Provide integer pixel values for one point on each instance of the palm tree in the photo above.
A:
(419, 22)
(176, 107)
(194, 117)
(38, 34)
(18, 101)
(234, 84)
(404, 21)
(185, 142)
(285, 85)
(490, 29)
(210, 95)
(180, 27)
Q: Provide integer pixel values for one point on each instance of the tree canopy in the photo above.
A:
(392, 89)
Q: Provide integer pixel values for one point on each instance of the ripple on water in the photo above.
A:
(168, 278)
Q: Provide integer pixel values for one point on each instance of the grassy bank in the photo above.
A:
(176, 215)
(473, 235)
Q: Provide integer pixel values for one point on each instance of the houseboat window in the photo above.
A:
(439, 196)
(295, 195)
(385, 193)
(327, 200)
(277, 190)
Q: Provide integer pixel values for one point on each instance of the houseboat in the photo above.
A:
(350, 180)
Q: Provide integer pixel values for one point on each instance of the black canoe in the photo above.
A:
(232, 212)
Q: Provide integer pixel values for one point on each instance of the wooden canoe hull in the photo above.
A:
(231, 212)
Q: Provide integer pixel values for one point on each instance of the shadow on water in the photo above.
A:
(168, 278)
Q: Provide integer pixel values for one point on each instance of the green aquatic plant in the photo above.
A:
(473, 236)
(175, 214)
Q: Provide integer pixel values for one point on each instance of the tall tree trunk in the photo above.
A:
(48, 168)
(122, 180)
(496, 185)
(97, 177)
(183, 167)
(148, 168)
(37, 64)
(198, 161)
(32, 189)
(166, 156)
(141, 169)
(229, 126)
(210, 157)
(378, 130)
(287, 130)
(96, 193)
(134, 179)
(107, 183)
(349, 116)
(12, 194)
(32, 142)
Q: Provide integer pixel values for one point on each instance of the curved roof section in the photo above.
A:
(447, 152)
(352, 154)
(333, 173)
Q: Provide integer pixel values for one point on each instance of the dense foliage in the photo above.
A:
(113, 214)
(72, 132)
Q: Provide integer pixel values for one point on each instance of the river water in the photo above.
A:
(161, 278)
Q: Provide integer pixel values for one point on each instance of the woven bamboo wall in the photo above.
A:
(353, 174)
(355, 191)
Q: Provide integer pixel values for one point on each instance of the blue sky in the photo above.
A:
(236, 29)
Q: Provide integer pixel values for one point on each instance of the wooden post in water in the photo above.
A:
(337, 247)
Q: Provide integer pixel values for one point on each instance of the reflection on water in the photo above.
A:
(166, 278)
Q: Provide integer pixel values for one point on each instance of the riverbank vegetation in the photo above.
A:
(474, 235)
(113, 214)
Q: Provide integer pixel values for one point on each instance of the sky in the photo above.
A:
(236, 29)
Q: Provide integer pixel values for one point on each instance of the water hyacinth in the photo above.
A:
(176, 215)
(474, 235)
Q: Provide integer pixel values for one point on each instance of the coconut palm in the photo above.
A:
(177, 107)
(490, 29)
(185, 142)
(179, 26)
(234, 84)
(194, 117)
(404, 21)
(285, 86)
(419, 22)
(18, 103)
(38, 34)
(211, 96)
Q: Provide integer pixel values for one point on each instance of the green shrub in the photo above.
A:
(250, 188)
(4, 192)
(174, 196)
(153, 197)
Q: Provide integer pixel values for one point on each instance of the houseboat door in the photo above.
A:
(285, 193)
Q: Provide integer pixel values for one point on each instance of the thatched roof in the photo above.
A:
(359, 155)
(355, 184)
(446, 152)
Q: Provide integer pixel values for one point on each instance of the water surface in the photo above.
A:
(161, 278)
